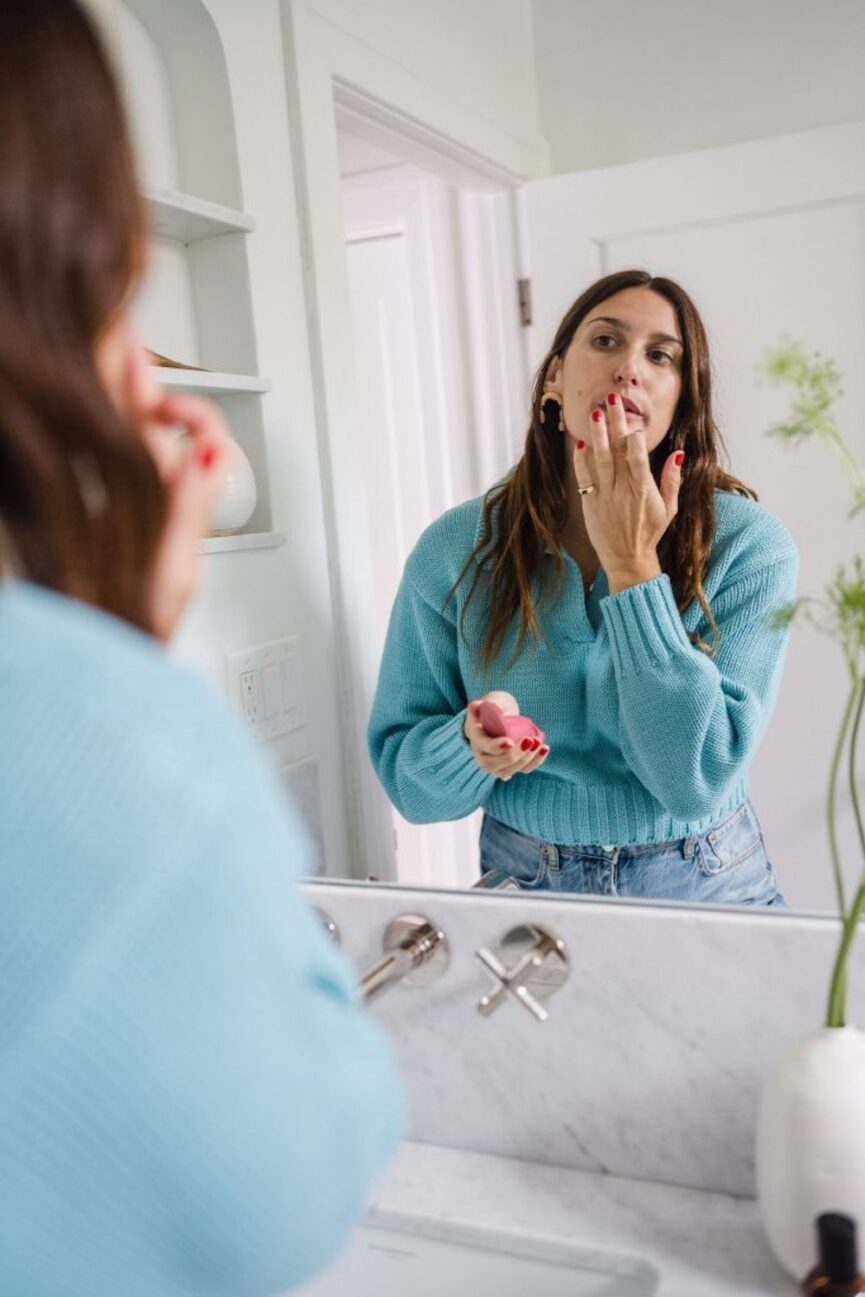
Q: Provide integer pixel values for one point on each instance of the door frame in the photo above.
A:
(330, 72)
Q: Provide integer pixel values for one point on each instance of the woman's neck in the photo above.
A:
(575, 537)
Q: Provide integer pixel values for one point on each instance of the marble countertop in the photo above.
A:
(701, 1244)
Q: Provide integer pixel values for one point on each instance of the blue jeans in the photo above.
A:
(726, 865)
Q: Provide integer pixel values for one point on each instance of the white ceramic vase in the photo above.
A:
(811, 1142)
(235, 503)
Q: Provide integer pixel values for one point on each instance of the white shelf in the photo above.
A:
(186, 219)
(194, 380)
(243, 540)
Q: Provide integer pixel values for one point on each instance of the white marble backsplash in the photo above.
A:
(301, 780)
(652, 1060)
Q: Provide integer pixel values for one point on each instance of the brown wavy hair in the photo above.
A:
(526, 513)
(81, 505)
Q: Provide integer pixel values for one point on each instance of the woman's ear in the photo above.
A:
(110, 351)
(553, 376)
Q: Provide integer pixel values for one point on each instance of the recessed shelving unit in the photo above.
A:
(241, 540)
(186, 219)
(193, 380)
(195, 305)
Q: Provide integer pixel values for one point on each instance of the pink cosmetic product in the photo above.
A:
(498, 725)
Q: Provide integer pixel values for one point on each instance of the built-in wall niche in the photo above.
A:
(195, 306)
(243, 412)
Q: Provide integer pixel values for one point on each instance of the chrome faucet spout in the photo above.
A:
(415, 951)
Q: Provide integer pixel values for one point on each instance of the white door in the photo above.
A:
(769, 239)
(419, 451)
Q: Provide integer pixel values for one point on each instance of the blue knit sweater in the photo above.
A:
(191, 1101)
(650, 738)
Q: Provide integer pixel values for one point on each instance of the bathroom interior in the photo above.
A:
(368, 217)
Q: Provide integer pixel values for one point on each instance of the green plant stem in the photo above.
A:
(835, 1016)
(832, 798)
(848, 462)
(854, 739)
(836, 1012)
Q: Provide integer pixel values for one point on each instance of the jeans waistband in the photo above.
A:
(603, 850)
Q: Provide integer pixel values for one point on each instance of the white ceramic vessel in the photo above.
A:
(236, 502)
(811, 1142)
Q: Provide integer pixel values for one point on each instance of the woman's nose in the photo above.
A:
(626, 370)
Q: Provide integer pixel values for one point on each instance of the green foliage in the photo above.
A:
(841, 615)
(816, 386)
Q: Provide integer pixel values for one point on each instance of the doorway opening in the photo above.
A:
(441, 377)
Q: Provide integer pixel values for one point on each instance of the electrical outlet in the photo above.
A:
(266, 686)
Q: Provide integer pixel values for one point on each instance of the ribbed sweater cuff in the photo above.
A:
(448, 755)
(644, 626)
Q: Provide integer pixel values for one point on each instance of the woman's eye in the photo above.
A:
(601, 340)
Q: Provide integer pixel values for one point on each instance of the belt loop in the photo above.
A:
(550, 853)
(688, 847)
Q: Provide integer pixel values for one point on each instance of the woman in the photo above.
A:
(619, 585)
(190, 1099)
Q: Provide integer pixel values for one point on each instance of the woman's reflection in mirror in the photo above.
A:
(617, 587)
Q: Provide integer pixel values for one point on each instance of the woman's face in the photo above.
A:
(115, 353)
(630, 344)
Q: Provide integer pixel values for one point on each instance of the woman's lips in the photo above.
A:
(634, 414)
(629, 414)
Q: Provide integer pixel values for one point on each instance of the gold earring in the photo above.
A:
(552, 396)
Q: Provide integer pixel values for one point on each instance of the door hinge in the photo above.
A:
(524, 289)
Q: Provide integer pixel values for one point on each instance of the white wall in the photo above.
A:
(625, 79)
(470, 63)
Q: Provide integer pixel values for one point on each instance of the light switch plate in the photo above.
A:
(265, 684)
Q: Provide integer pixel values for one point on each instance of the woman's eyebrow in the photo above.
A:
(621, 324)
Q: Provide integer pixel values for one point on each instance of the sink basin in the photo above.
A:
(436, 1260)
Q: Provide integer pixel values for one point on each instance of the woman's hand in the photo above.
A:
(626, 515)
(192, 468)
(502, 757)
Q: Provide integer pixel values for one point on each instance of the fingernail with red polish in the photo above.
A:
(597, 415)
(581, 445)
(680, 458)
(612, 398)
(206, 456)
(544, 751)
(506, 746)
(526, 745)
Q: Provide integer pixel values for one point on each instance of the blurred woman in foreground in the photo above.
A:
(190, 1098)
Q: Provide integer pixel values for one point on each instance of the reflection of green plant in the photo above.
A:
(816, 385)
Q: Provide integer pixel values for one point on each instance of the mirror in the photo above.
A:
(462, 177)
(674, 770)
